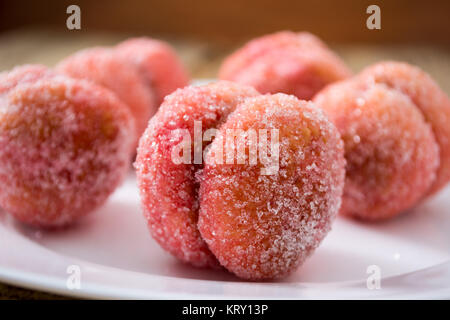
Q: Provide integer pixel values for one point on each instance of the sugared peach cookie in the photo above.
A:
(288, 62)
(263, 224)
(428, 97)
(65, 145)
(157, 62)
(167, 180)
(104, 67)
(391, 153)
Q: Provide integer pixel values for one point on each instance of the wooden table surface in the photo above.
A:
(202, 60)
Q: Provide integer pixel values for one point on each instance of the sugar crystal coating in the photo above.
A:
(288, 62)
(169, 190)
(104, 67)
(23, 74)
(65, 145)
(157, 62)
(391, 153)
(265, 226)
(425, 93)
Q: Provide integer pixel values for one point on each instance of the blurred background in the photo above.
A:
(205, 31)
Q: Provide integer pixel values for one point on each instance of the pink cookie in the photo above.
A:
(65, 145)
(157, 62)
(106, 68)
(263, 226)
(391, 153)
(425, 93)
(168, 185)
(288, 62)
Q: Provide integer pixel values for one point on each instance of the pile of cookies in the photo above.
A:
(288, 138)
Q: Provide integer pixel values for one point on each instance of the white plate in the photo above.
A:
(118, 259)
